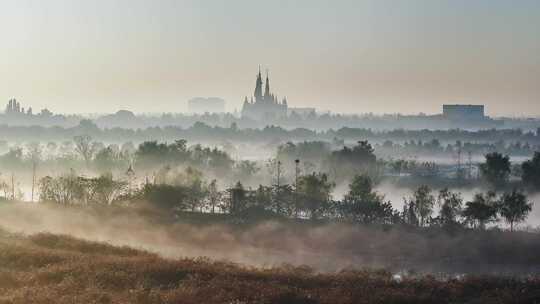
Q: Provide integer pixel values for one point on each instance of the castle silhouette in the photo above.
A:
(265, 106)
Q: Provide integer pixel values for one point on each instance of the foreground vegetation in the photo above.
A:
(46, 268)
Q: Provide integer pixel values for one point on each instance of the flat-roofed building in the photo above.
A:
(462, 112)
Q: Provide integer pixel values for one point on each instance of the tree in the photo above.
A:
(246, 169)
(531, 172)
(34, 152)
(167, 197)
(237, 198)
(450, 204)
(481, 210)
(213, 195)
(496, 169)
(408, 214)
(314, 192)
(348, 161)
(106, 159)
(283, 199)
(104, 189)
(421, 205)
(196, 194)
(83, 146)
(363, 204)
(65, 189)
(514, 207)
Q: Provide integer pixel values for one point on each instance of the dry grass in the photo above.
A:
(46, 268)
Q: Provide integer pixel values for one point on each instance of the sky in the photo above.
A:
(82, 56)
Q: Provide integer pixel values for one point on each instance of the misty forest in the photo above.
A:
(260, 152)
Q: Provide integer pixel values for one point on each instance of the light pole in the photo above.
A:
(296, 169)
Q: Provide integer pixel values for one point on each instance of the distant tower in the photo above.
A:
(258, 87)
(267, 96)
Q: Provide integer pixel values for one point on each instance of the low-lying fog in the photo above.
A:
(326, 247)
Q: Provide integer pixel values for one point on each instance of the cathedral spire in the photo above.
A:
(267, 87)
(258, 87)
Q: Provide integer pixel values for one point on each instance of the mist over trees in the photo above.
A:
(298, 183)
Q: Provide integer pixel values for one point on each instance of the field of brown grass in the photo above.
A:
(47, 268)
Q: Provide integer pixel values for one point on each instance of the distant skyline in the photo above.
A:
(75, 56)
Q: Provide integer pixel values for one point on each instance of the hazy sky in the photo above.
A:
(345, 56)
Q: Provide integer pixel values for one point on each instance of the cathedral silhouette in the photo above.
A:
(265, 106)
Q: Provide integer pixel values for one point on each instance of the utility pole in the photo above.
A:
(130, 175)
(459, 172)
(12, 186)
(470, 165)
(33, 179)
(278, 172)
(278, 187)
(459, 158)
(296, 170)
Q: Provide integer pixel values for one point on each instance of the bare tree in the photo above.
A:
(83, 146)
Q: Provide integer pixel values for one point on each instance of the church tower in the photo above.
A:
(258, 88)
(264, 105)
(267, 96)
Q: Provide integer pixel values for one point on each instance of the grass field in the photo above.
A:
(47, 268)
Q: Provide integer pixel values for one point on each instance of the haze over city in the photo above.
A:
(344, 56)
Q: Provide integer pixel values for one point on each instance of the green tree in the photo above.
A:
(166, 197)
(496, 169)
(514, 207)
(314, 192)
(347, 162)
(363, 204)
(421, 204)
(481, 210)
(450, 204)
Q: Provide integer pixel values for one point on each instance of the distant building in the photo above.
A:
(201, 105)
(264, 106)
(458, 112)
(301, 111)
(14, 108)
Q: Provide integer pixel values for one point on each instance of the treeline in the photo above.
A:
(495, 172)
(204, 132)
(310, 198)
(178, 184)
(340, 164)
(434, 148)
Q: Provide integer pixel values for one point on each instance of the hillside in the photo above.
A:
(47, 268)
